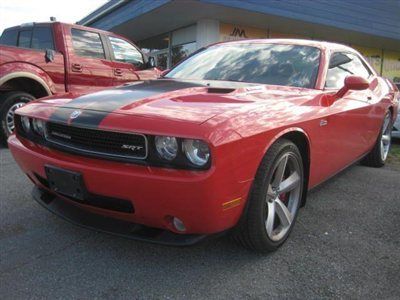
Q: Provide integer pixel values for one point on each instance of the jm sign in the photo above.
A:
(230, 32)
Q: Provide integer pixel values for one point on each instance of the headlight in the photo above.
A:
(167, 147)
(196, 151)
(26, 124)
(38, 126)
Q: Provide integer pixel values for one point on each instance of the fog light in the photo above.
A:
(178, 224)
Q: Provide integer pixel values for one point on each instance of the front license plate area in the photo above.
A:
(65, 182)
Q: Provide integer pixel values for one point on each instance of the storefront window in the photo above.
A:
(170, 48)
(158, 47)
(182, 51)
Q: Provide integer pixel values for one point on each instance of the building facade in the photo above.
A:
(172, 29)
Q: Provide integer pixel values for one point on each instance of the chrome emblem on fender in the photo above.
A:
(75, 114)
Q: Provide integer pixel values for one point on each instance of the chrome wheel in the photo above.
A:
(10, 116)
(386, 137)
(283, 196)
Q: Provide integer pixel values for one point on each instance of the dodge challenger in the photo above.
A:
(229, 140)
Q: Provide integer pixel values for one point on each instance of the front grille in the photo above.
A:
(98, 142)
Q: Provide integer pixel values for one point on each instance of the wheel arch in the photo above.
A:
(302, 140)
(394, 112)
(25, 82)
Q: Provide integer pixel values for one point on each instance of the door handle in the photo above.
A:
(76, 67)
(118, 72)
(323, 122)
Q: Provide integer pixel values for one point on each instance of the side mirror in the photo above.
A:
(355, 83)
(49, 55)
(151, 63)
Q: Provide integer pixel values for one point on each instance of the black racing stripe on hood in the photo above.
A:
(95, 107)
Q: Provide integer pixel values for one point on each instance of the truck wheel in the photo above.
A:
(9, 102)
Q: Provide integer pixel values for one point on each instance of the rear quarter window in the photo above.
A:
(9, 37)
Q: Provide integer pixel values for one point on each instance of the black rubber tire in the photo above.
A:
(7, 100)
(250, 232)
(374, 159)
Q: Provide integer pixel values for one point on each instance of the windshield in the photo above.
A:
(278, 64)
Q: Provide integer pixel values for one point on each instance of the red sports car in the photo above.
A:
(232, 138)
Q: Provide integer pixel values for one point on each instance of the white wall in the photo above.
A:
(207, 32)
(184, 35)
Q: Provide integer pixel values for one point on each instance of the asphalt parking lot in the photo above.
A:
(345, 245)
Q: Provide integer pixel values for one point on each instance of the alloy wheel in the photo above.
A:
(10, 116)
(386, 137)
(283, 196)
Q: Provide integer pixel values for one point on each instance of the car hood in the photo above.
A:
(189, 101)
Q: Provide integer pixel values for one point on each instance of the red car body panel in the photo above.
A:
(239, 127)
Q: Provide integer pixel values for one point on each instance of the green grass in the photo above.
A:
(394, 154)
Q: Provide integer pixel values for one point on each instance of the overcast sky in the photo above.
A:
(15, 12)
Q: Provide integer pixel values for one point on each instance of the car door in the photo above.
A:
(89, 67)
(50, 60)
(350, 118)
(128, 61)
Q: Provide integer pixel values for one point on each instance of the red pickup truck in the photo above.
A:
(43, 59)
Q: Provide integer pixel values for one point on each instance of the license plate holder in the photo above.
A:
(66, 182)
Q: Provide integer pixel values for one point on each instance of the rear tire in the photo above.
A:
(378, 155)
(274, 200)
(9, 102)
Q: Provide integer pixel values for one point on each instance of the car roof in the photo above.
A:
(301, 42)
(27, 24)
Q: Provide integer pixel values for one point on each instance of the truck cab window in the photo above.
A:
(87, 43)
(9, 37)
(42, 38)
(24, 38)
(125, 52)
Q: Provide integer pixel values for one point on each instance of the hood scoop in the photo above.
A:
(213, 90)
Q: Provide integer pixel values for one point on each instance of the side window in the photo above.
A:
(342, 65)
(24, 38)
(87, 43)
(42, 38)
(125, 52)
(9, 37)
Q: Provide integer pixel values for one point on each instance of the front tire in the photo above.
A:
(9, 102)
(378, 155)
(274, 200)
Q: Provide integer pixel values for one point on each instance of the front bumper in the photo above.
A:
(86, 219)
(197, 198)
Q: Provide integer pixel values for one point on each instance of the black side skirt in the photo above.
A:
(83, 218)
